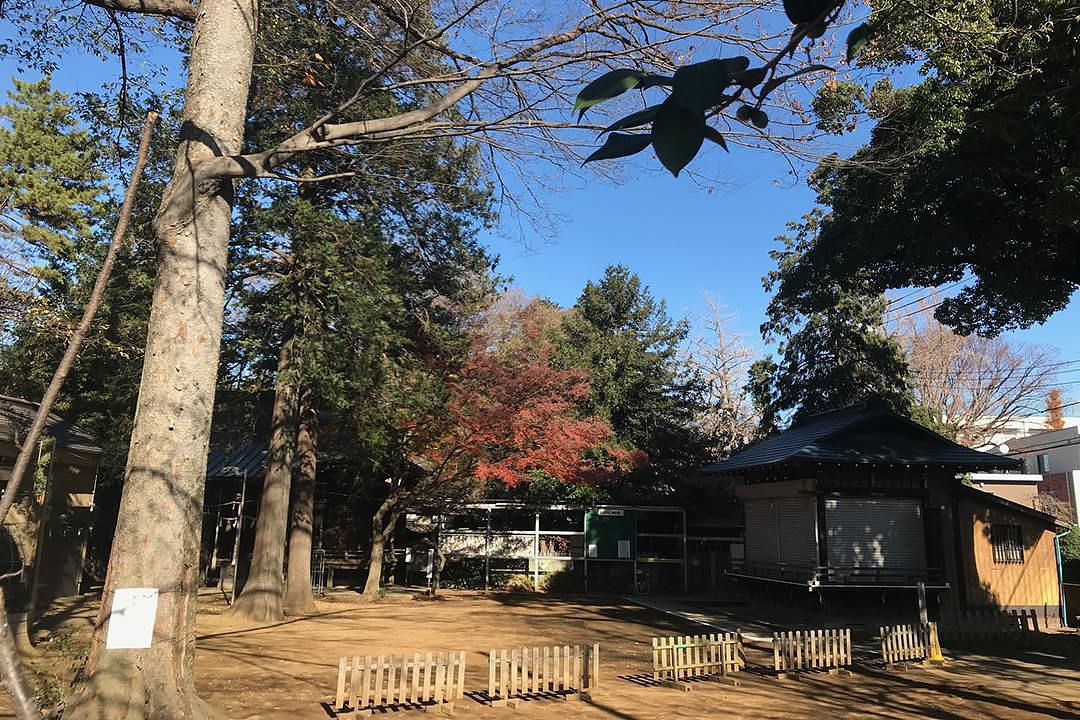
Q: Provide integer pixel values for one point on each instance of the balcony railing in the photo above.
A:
(826, 576)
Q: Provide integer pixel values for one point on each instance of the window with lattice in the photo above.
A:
(1008, 543)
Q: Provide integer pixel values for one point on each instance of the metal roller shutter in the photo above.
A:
(761, 536)
(875, 532)
(797, 524)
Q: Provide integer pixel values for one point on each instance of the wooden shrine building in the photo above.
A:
(862, 506)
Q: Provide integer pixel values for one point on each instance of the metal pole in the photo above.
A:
(536, 552)
(1061, 579)
(217, 532)
(585, 537)
(685, 566)
(487, 553)
(923, 617)
(236, 541)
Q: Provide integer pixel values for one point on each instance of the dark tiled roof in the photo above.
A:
(859, 434)
(234, 462)
(16, 415)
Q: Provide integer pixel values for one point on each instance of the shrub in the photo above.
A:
(518, 583)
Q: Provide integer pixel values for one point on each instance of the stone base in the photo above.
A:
(677, 685)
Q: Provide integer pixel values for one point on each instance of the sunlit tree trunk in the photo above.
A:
(383, 523)
(156, 544)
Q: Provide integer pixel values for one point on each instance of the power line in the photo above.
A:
(1008, 370)
(917, 312)
(942, 385)
(1062, 407)
(1025, 451)
(931, 293)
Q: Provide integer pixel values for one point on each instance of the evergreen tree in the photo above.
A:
(53, 192)
(970, 174)
(340, 286)
(835, 356)
(629, 345)
(62, 241)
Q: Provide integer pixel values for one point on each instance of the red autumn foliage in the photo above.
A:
(510, 412)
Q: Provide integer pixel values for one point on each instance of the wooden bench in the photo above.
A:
(798, 651)
(429, 682)
(716, 656)
(558, 672)
(905, 645)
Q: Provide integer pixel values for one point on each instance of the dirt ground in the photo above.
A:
(288, 670)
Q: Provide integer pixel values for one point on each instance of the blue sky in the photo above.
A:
(683, 240)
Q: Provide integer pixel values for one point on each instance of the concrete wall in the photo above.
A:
(1061, 448)
(1021, 488)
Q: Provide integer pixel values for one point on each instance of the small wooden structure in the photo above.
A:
(797, 651)
(714, 657)
(902, 645)
(430, 682)
(989, 626)
(565, 672)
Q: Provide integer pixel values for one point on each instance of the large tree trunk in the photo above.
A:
(383, 523)
(298, 596)
(156, 544)
(261, 598)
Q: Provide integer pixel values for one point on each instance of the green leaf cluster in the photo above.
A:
(678, 123)
(971, 174)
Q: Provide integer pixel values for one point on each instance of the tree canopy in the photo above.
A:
(972, 172)
(835, 355)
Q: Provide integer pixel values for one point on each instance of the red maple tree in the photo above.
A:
(511, 412)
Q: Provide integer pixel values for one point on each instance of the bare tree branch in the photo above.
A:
(972, 385)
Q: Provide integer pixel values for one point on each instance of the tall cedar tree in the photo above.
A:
(341, 276)
(629, 345)
(836, 356)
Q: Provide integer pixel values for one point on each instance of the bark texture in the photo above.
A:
(262, 595)
(156, 544)
(298, 596)
(383, 523)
